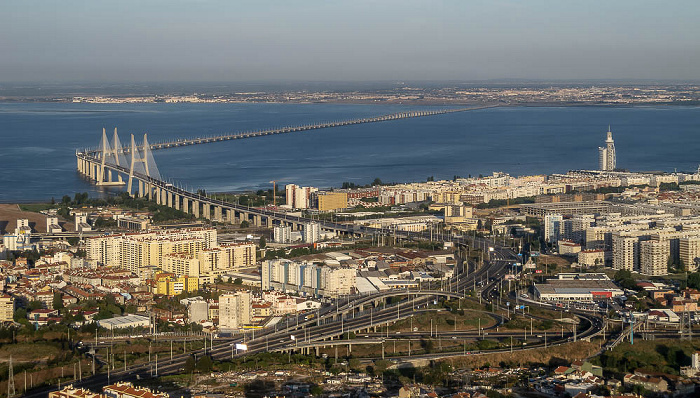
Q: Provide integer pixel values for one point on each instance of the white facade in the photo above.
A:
(312, 232)
(607, 159)
(282, 234)
(298, 197)
(234, 310)
(553, 227)
(52, 226)
(308, 278)
(654, 257)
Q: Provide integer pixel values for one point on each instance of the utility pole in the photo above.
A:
(10, 380)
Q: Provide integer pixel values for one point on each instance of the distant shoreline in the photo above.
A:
(382, 103)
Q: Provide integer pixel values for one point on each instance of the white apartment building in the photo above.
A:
(308, 278)
(312, 232)
(225, 258)
(625, 252)
(298, 197)
(553, 227)
(689, 252)
(654, 257)
(234, 310)
(282, 234)
(52, 226)
(137, 250)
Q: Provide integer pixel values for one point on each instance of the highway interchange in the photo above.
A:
(333, 324)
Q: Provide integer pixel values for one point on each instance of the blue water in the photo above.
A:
(38, 141)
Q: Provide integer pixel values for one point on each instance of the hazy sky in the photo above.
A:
(180, 40)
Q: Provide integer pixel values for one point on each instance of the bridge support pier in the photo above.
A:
(217, 213)
(207, 211)
(169, 197)
(195, 208)
(176, 199)
(185, 204)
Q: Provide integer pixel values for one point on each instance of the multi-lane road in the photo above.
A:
(356, 314)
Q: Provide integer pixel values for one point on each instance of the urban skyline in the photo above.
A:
(381, 199)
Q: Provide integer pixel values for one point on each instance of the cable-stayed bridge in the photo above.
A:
(112, 164)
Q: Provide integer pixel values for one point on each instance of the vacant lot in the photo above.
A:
(10, 213)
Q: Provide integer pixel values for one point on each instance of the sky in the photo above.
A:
(353, 40)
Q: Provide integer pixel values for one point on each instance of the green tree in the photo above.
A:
(189, 364)
(238, 281)
(694, 280)
(245, 224)
(205, 364)
(57, 301)
(262, 242)
(377, 181)
(20, 314)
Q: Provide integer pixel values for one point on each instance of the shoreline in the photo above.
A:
(379, 103)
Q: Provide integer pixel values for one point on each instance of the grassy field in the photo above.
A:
(28, 352)
(444, 321)
(666, 355)
(563, 354)
(36, 207)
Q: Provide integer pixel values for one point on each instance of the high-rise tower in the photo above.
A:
(607, 161)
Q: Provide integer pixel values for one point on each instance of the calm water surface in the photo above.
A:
(38, 142)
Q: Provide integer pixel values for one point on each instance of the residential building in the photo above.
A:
(312, 232)
(331, 201)
(234, 310)
(71, 392)
(282, 234)
(128, 390)
(654, 257)
(553, 227)
(7, 308)
(298, 197)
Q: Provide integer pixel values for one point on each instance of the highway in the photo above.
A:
(333, 323)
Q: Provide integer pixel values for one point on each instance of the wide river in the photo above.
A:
(38, 142)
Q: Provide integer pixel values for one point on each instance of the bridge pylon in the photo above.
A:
(110, 155)
(142, 162)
